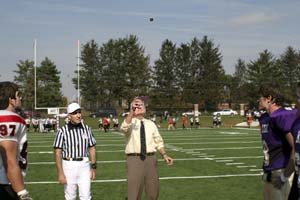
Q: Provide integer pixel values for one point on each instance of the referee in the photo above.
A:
(74, 145)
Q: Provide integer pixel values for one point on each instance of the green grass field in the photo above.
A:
(209, 163)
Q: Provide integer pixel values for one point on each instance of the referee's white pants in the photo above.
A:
(77, 174)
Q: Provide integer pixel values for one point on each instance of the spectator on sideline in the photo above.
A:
(184, 121)
(278, 144)
(171, 123)
(72, 160)
(27, 121)
(192, 121)
(35, 124)
(13, 145)
(249, 119)
(142, 141)
(106, 124)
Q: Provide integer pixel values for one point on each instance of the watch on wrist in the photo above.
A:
(94, 165)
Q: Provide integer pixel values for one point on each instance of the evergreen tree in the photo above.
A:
(49, 85)
(210, 74)
(184, 73)
(91, 77)
(165, 75)
(25, 80)
(127, 71)
(239, 91)
(263, 70)
(290, 64)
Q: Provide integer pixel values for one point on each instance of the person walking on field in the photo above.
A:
(13, 145)
(184, 122)
(74, 144)
(171, 123)
(142, 142)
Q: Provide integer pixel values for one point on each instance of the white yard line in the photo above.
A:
(234, 163)
(220, 161)
(247, 166)
(161, 178)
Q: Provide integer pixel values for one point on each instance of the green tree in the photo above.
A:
(127, 71)
(164, 76)
(290, 65)
(239, 91)
(91, 77)
(263, 70)
(25, 80)
(191, 72)
(116, 71)
(49, 85)
(211, 74)
(184, 73)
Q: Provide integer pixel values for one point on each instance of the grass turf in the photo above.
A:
(209, 163)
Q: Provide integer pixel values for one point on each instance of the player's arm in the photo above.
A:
(9, 151)
(93, 159)
(290, 168)
(279, 181)
(60, 172)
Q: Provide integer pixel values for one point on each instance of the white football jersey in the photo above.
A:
(13, 128)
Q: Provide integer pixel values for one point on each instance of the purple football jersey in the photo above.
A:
(274, 128)
(296, 134)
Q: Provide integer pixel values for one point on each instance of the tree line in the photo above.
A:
(185, 74)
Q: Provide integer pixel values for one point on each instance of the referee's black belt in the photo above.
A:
(73, 159)
(138, 154)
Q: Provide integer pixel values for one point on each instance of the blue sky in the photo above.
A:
(241, 28)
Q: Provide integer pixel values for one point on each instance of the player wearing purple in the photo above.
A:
(295, 191)
(278, 144)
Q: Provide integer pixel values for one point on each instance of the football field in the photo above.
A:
(209, 164)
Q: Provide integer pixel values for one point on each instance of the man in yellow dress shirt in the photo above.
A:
(142, 141)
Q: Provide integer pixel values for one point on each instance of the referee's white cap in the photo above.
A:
(73, 107)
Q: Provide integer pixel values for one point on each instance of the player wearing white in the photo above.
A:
(13, 145)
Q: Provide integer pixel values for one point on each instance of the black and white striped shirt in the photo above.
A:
(74, 140)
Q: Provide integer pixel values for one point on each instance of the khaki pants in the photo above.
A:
(271, 193)
(142, 173)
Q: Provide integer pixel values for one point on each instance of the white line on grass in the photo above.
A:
(228, 148)
(51, 152)
(234, 163)
(161, 160)
(234, 133)
(161, 178)
(247, 166)
(224, 161)
(255, 170)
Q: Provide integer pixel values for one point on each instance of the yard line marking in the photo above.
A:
(224, 161)
(233, 133)
(121, 161)
(231, 142)
(228, 148)
(234, 163)
(255, 170)
(238, 157)
(207, 156)
(51, 152)
(98, 145)
(161, 178)
(246, 166)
